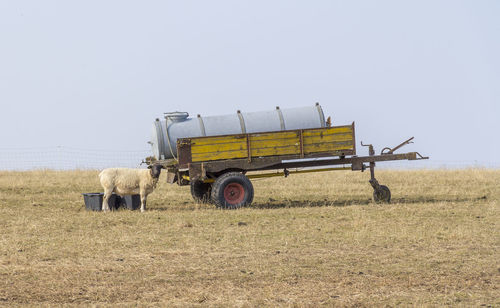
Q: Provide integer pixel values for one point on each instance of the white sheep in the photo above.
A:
(125, 181)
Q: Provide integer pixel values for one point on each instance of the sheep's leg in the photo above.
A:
(105, 204)
(143, 201)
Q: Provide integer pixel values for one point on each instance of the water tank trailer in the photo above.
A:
(219, 155)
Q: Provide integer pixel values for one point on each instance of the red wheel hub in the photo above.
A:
(234, 193)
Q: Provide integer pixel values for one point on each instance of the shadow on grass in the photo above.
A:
(302, 203)
(350, 202)
(287, 203)
(437, 199)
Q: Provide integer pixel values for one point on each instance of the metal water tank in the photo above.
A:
(179, 125)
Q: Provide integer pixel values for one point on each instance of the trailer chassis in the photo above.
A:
(204, 174)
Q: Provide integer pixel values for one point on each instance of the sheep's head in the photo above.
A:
(155, 170)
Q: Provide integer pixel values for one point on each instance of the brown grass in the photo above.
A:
(307, 240)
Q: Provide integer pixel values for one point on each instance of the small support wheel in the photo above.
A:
(382, 194)
(232, 190)
(201, 191)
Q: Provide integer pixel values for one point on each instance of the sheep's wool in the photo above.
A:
(125, 181)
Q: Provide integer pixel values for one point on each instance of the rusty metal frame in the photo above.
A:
(184, 152)
(202, 171)
(301, 138)
(249, 149)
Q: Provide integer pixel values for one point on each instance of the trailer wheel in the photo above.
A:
(232, 190)
(382, 194)
(201, 191)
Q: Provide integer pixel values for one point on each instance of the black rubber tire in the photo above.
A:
(382, 194)
(201, 191)
(232, 179)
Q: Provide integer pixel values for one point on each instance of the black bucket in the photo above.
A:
(93, 201)
(131, 202)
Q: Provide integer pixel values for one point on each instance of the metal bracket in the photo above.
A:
(202, 125)
(420, 156)
(374, 183)
(321, 115)
(242, 122)
(371, 151)
(391, 151)
(280, 115)
(286, 173)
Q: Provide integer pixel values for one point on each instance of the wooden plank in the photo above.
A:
(274, 143)
(208, 156)
(209, 148)
(327, 139)
(217, 139)
(321, 148)
(274, 135)
(324, 134)
(286, 150)
(328, 130)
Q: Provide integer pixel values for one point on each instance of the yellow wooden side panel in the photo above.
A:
(275, 143)
(328, 139)
(218, 147)
(319, 140)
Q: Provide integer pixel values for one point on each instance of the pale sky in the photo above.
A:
(95, 74)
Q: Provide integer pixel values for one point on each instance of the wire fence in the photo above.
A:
(67, 158)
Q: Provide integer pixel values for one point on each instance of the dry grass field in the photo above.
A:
(308, 240)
